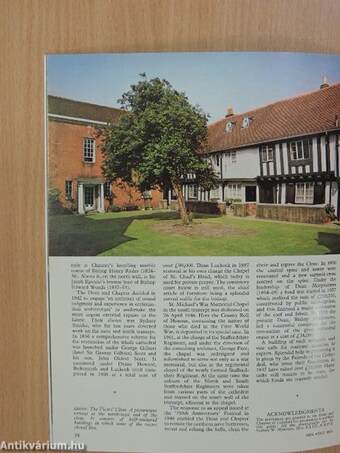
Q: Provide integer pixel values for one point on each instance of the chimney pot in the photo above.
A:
(325, 83)
(230, 112)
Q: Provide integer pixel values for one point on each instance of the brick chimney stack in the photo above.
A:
(325, 83)
(230, 112)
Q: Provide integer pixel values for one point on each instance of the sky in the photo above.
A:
(213, 80)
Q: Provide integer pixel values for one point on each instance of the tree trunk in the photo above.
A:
(181, 204)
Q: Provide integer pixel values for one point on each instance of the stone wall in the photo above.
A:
(244, 209)
(292, 213)
(206, 207)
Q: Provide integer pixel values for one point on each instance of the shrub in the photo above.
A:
(230, 201)
(131, 207)
(54, 205)
(330, 211)
(113, 208)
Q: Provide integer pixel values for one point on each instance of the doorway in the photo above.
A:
(250, 193)
(89, 198)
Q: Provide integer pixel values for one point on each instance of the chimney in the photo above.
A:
(230, 112)
(325, 83)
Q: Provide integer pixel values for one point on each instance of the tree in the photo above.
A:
(158, 141)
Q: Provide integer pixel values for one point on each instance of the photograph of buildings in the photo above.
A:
(261, 181)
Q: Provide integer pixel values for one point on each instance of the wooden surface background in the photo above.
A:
(28, 30)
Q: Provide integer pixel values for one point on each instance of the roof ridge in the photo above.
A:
(84, 102)
(308, 93)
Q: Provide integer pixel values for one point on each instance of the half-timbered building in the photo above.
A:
(284, 153)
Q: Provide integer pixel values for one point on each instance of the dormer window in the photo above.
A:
(229, 126)
(246, 121)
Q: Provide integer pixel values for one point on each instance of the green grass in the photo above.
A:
(132, 233)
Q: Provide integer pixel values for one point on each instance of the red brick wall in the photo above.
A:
(65, 162)
(251, 209)
(207, 207)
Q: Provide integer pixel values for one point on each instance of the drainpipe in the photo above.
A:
(337, 156)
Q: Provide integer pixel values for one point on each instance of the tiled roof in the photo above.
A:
(305, 114)
(85, 110)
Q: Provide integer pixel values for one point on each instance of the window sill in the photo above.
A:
(301, 159)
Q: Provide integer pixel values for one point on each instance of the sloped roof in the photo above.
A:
(82, 110)
(305, 114)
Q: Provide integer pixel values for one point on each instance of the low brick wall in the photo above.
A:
(292, 213)
(206, 207)
(244, 209)
(251, 208)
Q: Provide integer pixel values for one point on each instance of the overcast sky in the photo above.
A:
(215, 81)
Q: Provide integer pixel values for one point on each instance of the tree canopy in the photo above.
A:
(157, 142)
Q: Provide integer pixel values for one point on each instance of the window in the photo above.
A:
(246, 121)
(107, 189)
(233, 157)
(193, 191)
(267, 153)
(300, 149)
(68, 190)
(89, 150)
(215, 194)
(304, 192)
(234, 191)
(229, 126)
(147, 195)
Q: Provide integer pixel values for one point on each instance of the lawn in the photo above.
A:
(160, 233)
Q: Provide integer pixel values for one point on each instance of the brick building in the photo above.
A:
(75, 159)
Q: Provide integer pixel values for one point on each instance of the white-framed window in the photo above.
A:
(215, 194)
(107, 189)
(68, 190)
(192, 191)
(246, 121)
(147, 195)
(234, 191)
(229, 126)
(267, 153)
(89, 150)
(233, 156)
(300, 149)
(304, 192)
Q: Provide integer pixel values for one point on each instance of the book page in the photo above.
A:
(193, 231)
